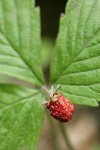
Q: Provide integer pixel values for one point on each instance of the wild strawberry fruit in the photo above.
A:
(60, 107)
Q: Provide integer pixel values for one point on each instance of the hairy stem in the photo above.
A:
(46, 91)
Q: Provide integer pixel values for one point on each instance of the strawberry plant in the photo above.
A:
(75, 64)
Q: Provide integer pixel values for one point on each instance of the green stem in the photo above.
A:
(46, 91)
(67, 141)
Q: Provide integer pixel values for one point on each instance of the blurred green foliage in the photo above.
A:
(47, 48)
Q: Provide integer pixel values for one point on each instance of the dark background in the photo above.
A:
(50, 13)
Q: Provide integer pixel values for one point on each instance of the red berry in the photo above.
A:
(60, 107)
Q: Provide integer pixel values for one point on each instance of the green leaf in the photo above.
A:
(76, 58)
(20, 40)
(21, 117)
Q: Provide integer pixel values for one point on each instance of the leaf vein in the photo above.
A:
(80, 72)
